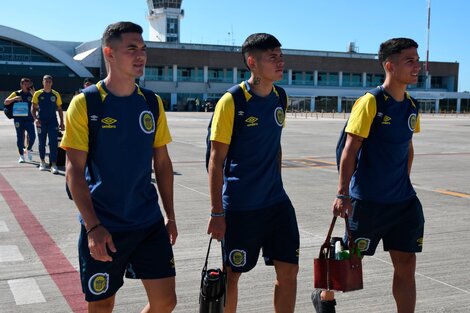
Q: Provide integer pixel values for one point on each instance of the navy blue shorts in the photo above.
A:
(141, 254)
(399, 225)
(274, 229)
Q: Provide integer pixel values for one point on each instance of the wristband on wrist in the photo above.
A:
(170, 220)
(342, 197)
(221, 214)
(93, 228)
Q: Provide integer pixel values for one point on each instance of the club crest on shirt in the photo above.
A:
(279, 116)
(362, 243)
(98, 283)
(412, 121)
(53, 98)
(146, 122)
(237, 257)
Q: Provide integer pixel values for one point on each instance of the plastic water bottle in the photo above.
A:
(338, 250)
(333, 242)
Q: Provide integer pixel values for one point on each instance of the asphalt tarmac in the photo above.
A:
(39, 227)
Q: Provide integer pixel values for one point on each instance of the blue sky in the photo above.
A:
(299, 24)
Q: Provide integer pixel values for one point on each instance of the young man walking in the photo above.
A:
(123, 231)
(46, 102)
(374, 189)
(250, 209)
(20, 103)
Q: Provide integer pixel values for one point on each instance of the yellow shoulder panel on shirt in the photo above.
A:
(362, 116)
(76, 125)
(418, 127)
(222, 122)
(36, 96)
(12, 95)
(59, 99)
(163, 136)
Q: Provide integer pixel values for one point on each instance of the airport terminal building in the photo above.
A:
(187, 76)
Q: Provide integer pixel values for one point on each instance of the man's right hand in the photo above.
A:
(216, 227)
(341, 207)
(99, 241)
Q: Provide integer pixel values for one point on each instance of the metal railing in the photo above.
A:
(343, 115)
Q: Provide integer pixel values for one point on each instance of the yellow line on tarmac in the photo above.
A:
(453, 193)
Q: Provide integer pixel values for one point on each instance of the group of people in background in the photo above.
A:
(37, 109)
(124, 232)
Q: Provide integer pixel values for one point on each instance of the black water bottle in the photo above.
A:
(212, 295)
(213, 286)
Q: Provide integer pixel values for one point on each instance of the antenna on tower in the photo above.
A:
(230, 38)
(427, 46)
(233, 40)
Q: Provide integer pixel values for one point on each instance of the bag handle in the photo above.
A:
(325, 248)
(204, 269)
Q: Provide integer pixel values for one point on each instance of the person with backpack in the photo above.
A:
(87, 82)
(116, 133)
(18, 104)
(46, 102)
(250, 209)
(374, 189)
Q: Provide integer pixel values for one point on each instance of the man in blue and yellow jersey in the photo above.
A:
(20, 101)
(123, 231)
(374, 188)
(250, 209)
(46, 102)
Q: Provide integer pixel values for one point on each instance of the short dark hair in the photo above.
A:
(114, 31)
(25, 79)
(47, 77)
(394, 46)
(88, 80)
(259, 42)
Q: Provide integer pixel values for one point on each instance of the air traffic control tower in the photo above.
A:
(164, 18)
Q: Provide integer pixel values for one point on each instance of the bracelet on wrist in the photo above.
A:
(342, 197)
(221, 214)
(93, 228)
(170, 220)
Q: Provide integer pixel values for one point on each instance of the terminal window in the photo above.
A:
(167, 3)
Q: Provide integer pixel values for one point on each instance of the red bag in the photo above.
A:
(339, 275)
